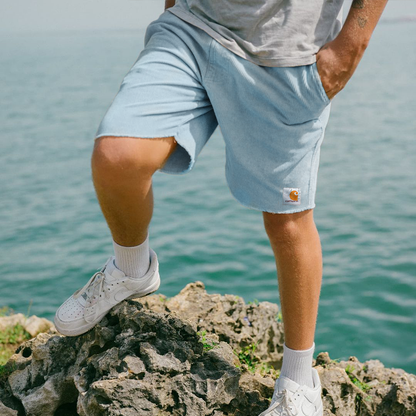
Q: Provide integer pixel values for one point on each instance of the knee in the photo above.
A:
(125, 156)
(284, 228)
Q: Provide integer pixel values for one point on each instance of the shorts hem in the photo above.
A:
(178, 140)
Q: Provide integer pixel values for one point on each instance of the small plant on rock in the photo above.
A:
(208, 344)
(268, 370)
(332, 361)
(360, 384)
(246, 356)
(10, 338)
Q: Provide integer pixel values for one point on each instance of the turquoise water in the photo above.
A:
(54, 90)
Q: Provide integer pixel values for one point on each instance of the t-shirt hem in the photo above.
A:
(273, 62)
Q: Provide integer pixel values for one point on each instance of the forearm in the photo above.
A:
(169, 3)
(338, 59)
(360, 23)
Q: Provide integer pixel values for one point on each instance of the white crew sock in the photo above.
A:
(297, 365)
(133, 261)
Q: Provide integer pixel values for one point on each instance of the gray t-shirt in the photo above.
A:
(266, 32)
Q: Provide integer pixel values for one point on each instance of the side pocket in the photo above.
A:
(319, 83)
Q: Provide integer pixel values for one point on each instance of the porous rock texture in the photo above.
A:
(146, 358)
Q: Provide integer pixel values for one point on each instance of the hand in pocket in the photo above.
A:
(335, 63)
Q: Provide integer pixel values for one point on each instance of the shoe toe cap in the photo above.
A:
(70, 313)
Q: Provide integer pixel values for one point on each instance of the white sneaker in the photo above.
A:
(291, 399)
(108, 287)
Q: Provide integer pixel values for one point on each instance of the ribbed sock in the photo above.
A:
(133, 261)
(297, 365)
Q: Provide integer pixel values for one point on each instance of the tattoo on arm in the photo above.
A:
(361, 22)
(358, 4)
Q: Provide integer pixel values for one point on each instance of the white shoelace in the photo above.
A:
(283, 405)
(94, 287)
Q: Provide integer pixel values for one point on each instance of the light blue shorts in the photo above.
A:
(184, 84)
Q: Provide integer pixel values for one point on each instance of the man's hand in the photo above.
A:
(337, 60)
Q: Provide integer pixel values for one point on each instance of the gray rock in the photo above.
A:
(146, 358)
(35, 325)
(6, 411)
(235, 322)
(353, 388)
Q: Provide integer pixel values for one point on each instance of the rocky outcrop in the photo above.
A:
(353, 388)
(183, 356)
(233, 321)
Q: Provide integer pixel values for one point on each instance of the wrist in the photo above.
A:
(353, 43)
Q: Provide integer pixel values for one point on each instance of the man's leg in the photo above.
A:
(297, 249)
(122, 170)
(163, 97)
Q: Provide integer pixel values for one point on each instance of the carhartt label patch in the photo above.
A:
(291, 196)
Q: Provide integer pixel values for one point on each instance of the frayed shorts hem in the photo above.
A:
(172, 166)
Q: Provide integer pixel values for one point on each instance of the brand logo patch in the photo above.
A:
(291, 196)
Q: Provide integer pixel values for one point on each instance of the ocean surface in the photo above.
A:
(54, 90)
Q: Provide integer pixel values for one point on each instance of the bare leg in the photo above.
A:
(122, 169)
(297, 249)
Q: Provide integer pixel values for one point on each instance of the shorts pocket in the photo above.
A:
(305, 96)
(319, 84)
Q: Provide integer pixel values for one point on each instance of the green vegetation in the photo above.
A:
(247, 356)
(10, 338)
(360, 384)
(9, 341)
(255, 302)
(266, 369)
(235, 300)
(334, 361)
(208, 344)
(14, 335)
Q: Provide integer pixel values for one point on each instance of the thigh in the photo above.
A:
(162, 95)
(273, 121)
